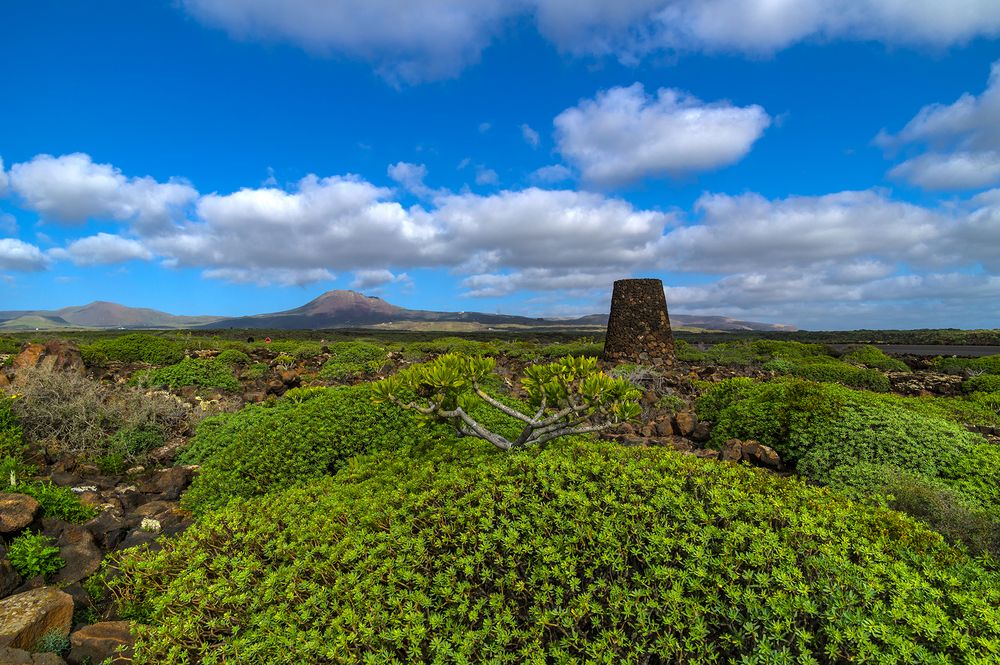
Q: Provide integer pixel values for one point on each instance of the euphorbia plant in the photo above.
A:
(568, 396)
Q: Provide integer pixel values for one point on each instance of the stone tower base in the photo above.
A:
(639, 328)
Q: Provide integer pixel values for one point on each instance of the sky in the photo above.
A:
(824, 165)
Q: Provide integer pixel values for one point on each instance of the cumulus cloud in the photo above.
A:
(3, 180)
(326, 223)
(551, 174)
(72, 188)
(529, 135)
(962, 141)
(538, 279)
(103, 249)
(268, 276)
(411, 177)
(373, 279)
(624, 134)
(417, 40)
(406, 41)
(19, 255)
(485, 176)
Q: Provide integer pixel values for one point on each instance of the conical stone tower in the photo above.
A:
(639, 329)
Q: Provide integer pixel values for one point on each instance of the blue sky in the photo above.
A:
(778, 161)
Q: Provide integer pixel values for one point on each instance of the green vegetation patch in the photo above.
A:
(969, 366)
(55, 501)
(264, 448)
(134, 348)
(352, 359)
(575, 553)
(200, 372)
(819, 427)
(33, 554)
(874, 358)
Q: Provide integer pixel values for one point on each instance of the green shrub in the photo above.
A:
(351, 359)
(55, 501)
(842, 373)
(285, 360)
(11, 441)
(16, 466)
(925, 498)
(232, 357)
(260, 449)
(819, 427)
(581, 348)
(134, 348)
(9, 345)
(32, 554)
(970, 366)
(874, 358)
(53, 641)
(985, 383)
(575, 553)
(256, 371)
(190, 372)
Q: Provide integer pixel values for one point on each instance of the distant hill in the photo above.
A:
(99, 314)
(335, 309)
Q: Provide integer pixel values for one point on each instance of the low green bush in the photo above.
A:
(834, 371)
(32, 554)
(54, 501)
(264, 448)
(9, 345)
(256, 371)
(352, 359)
(190, 372)
(969, 366)
(874, 358)
(925, 498)
(134, 348)
(11, 441)
(985, 383)
(53, 641)
(233, 357)
(581, 552)
(585, 347)
(818, 427)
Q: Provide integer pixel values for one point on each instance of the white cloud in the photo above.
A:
(411, 177)
(749, 232)
(624, 134)
(485, 176)
(267, 276)
(950, 171)
(551, 174)
(416, 40)
(537, 228)
(529, 135)
(3, 180)
(18, 255)
(405, 40)
(962, 138)
(72, 188)
(105, 248)
(372, 279)
(491, 285)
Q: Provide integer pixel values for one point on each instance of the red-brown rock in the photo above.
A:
(16, 511)
(24, 618)
(102, 641)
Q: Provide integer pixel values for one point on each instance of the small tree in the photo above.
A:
(569, 396)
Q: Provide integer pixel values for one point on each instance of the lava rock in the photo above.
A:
(105, 640)
(16, 511)
(24, 618)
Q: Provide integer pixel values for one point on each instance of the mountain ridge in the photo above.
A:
(333, 309)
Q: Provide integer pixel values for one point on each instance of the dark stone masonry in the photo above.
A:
(639, 329)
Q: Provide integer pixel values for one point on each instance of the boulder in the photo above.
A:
(16, 511)
(10, 656)
(761, 455)
(53, 355)
(685, 423)
(24, 618)
(701, 432)
(169, 482)
(9, 578)
(732, 451)
(102, 641)
(82, 556)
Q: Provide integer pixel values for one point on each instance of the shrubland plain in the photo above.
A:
(366, 497)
